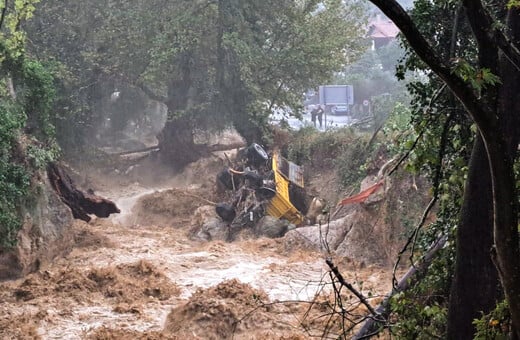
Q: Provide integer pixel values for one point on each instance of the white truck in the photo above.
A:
(337, 99)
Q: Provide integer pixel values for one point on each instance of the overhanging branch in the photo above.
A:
(479, 111)
(484, 23)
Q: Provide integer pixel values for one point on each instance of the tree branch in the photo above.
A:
(2, 16)
(481, 24)
(436, 181)
(341, 280)
(489, 34)
(481, 113)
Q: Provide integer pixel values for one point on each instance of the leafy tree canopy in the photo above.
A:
(215, 63)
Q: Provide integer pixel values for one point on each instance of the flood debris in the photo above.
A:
(262, 192)
(81, 203)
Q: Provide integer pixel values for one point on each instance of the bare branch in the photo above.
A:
(436, 180)
(344, 283)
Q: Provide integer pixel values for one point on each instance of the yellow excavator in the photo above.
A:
(277, 184)
(286, 173)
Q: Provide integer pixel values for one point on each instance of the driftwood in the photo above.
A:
(81, 203)
(373, 324)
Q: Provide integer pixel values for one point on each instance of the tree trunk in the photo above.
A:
(475, 230)
(474, 242)
(247, 129)
(505, 208)
(494, 125)
(176, 144)
(502, 152)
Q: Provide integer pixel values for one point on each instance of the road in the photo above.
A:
(329, 121)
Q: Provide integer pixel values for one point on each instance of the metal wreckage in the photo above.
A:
(258, 185)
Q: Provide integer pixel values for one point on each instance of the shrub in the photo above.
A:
(21, 155)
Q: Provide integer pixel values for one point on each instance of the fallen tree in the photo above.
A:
(375, 322)
(81, 203)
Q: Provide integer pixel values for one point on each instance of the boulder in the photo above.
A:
(213, 229)
(319, 237)
(271, 227)
(207, 226)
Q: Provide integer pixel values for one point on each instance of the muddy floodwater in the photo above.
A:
(129, 279)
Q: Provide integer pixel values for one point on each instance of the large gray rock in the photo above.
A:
(46, 233)
(327, 236)
(207, 226)
(366, 240)
(271, 227)
(213, 229)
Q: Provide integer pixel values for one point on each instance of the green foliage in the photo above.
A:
(11, 36)
(438, 137)
(11, 121)
(513, 3)
(14, 185)
(342, 149)
(39, 93)
(14, 179)
(398, 122)
(40, 157)
(479, 79)
(421, 312)
(26, 100)
(417, 320)
(495, 325)
(220, 62)
(351, 162)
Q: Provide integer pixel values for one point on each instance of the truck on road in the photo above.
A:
(337, 99)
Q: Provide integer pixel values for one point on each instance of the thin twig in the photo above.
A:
(354, 291)
(436, 180)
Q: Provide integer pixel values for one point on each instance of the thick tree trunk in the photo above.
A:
(475, 230)
(502, 151)
(473, 256)
(505, 207)
(176, 144)
(494, 125)
(250, 131)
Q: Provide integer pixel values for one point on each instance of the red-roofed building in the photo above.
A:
(382, 31)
